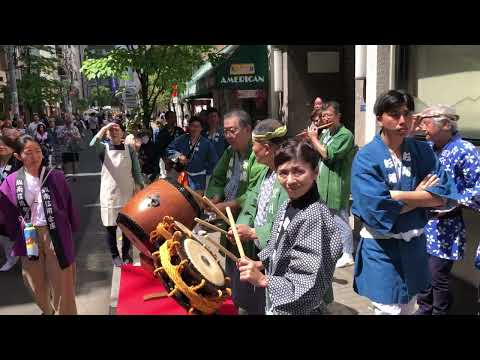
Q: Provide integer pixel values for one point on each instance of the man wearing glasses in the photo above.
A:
(236, 171)
(336, 148)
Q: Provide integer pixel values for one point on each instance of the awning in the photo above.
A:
(191, 89)
(246, 69)
(203, 79)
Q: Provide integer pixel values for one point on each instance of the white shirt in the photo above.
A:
(32, 189)
(32, 128)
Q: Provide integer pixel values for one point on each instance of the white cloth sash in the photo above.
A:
(369, 233)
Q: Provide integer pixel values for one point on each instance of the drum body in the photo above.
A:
(191, 275)
(141, 214)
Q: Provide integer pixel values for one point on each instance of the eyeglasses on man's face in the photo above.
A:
(328, 115)
(231, 131)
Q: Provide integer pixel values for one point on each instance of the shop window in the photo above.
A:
(444, 74)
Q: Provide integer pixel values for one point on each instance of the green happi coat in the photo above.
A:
(249, 210)
(252, 171)
(333, 180)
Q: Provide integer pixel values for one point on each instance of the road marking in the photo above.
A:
(84, 174)
(91, 205)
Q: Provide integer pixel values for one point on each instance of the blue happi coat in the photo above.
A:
(202, 159)
(446, 236)
(218, 141)
(391, 260)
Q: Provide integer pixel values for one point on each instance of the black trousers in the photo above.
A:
(436, 299)
(112, 242)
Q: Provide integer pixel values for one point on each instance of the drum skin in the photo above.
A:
(142, 213)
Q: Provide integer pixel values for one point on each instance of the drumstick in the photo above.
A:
(213, 242)
(217, 210)
(156, 295)
(221, 248)
(195, 195)
(235, 233)
(210, 226)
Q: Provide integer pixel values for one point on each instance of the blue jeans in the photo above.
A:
(341, 219)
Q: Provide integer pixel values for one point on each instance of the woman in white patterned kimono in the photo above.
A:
(305, 243)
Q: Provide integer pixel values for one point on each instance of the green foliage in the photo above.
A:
(38, 86)
(101, 95)
(158, 67)
(82, 105)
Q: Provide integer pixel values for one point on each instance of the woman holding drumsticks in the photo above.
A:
(300, 256)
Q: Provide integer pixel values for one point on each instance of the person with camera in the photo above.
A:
(193, 155)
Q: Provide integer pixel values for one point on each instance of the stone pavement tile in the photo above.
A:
(347, 301)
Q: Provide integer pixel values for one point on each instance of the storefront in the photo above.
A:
(241, 82)
(238, 82)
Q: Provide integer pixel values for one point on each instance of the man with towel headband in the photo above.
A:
(445, 233)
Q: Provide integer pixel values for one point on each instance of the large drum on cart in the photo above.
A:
(141, 214)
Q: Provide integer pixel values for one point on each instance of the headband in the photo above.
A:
(277, 133)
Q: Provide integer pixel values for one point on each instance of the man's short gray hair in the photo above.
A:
(441, 114)
(243, 117)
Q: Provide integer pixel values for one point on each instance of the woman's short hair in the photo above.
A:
(22, 141)
(392, 100)
(120, 124)
(297, 150)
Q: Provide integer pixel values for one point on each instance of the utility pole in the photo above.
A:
(12, 79)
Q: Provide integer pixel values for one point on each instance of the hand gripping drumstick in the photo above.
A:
(217, 210)
(235, 233)
(210, 226)
(213, 242)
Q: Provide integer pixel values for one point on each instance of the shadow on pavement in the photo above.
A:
(466, 298)
(336, 308)
(13, 291)
(340, 281)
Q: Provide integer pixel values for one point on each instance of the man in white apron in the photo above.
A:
(120, 173)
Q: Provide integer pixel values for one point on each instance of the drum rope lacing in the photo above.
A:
(197, 301)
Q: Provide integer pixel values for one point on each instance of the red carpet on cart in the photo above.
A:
(135, 283)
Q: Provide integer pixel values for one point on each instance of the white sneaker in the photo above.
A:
(345, 260)
(9, 264)
(117, 261)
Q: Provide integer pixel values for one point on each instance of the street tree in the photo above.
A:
(101, 95)
(39, 84)
(159, 68)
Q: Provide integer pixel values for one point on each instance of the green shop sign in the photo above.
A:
(246, 69)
